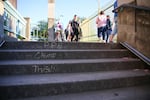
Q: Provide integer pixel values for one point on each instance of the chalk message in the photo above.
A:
(44, 69)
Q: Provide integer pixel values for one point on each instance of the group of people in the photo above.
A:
(71, 33)
(73, 30)
(105, 29)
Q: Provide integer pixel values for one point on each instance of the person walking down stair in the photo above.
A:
(58, 32)
(75, 28)
(70, 32)
(108, 28)
(101, 24)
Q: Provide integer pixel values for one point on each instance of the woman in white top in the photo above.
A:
(101, 24)
(58, 32)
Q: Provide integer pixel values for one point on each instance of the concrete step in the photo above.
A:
(53, 84)
(58, 45)
(36, 69)
(63, 54)
(68, 66)
(130, 93)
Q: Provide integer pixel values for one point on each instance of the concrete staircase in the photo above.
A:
(71, 71)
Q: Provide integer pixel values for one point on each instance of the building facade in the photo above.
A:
(1, 20)
(14, 23)
(13, 26)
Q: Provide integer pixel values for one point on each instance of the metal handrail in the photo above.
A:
(1, 43)
(96, 14)
(136, 52)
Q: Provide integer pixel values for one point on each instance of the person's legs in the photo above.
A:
(72, 34)
(77, 35)
(72, 37)
(99, 32)
(57, 35)
(76, 38)
(67, 34)
(60, 37)
(103, 30)
(69, 38)
(107, 35)
(114, 32)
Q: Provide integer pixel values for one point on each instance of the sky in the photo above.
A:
(37, 10)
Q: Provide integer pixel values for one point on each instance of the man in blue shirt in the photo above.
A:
(114, 27)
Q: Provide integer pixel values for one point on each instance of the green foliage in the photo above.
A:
(81, 19)
(42, 27)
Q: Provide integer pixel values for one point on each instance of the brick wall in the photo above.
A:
(14, 3)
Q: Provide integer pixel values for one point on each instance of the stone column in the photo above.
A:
(28, 34)
(1, 20)
(51, 15)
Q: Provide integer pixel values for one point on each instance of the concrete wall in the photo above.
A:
(120, 2)
(134, 27)
(145, 3)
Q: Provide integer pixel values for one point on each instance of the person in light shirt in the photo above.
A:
(101, 24)
(58, 32)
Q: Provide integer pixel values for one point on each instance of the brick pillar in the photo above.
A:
(51, 15)
(14, 3)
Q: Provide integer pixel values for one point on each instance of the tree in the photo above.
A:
(43, 29)
(81, 19)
